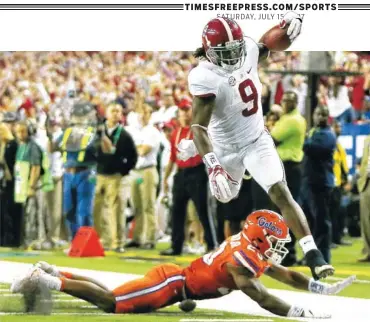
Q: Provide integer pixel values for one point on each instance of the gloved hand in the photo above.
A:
(186, 149)
(219, 179)
(313, 314)
(297, 311)
(330, 289)
(295, 24)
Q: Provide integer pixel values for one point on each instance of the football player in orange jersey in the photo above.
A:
(236, 265)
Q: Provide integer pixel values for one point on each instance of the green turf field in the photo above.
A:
(138, 262)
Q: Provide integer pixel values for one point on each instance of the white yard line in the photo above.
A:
(343, 309)
(225, 320)
(61, 313)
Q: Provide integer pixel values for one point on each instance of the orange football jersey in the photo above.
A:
(207, 277)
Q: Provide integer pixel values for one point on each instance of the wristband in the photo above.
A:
(210, 160)
(295, 311)
(315, 286)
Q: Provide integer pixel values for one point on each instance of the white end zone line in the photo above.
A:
(342, 309)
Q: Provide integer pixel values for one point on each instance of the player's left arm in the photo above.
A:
(303, 282)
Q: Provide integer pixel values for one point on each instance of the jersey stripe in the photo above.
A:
(151, 289)
(255, 267)
(227, 28)
(240, 259)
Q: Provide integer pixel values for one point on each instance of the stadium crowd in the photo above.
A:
(123, 176)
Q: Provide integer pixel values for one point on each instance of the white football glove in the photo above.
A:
(313, 314)
(186, 149)
(330, 289)
(297, 311)
(219, 179)
(295, 24)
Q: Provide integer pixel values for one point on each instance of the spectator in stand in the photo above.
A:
(340, 170)
(288, 134)
(167, 112)
(356, 86)
(117, 156)
(338, 102)
(57, 233)
(145, 182)
(318, 174)
(163, 200)
(299, 86)
(190, 183)
(27, 172)
(10, 212)
(364, 190)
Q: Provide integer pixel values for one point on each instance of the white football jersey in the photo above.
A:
(237, 117)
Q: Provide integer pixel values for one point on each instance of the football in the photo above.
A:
(276, 39)
(187, 305)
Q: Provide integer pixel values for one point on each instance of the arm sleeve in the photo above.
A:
(202, 82)
(283, 129)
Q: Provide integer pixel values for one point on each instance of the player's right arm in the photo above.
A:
(204, 86)
(202, 112)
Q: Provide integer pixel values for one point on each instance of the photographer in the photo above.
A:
(116, 157)
(79, 144)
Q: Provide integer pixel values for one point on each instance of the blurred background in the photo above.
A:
(89, 139)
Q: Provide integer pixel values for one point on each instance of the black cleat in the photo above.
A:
(319, 267)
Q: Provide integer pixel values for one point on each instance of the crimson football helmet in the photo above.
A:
(268, 233)
(224, 44)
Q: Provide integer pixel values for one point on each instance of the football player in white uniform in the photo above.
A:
(228, 126)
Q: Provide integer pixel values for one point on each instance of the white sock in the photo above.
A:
(52, 282)
(307, 243)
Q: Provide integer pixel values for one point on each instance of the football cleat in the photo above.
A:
(27, 282)
(48, 268)
(319, 267)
